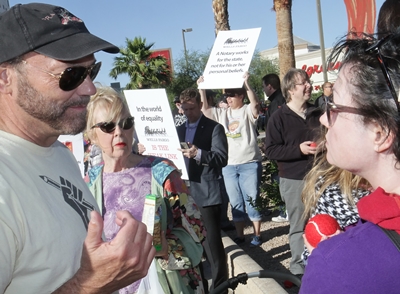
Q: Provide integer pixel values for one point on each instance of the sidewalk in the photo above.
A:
(240, 262)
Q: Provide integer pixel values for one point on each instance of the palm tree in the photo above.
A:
(284, 30)
(144, 70)
(221, 16)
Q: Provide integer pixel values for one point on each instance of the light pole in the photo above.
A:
(184, 44)
(321, 40)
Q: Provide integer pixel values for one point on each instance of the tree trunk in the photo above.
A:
(284, 29)
(221, 16)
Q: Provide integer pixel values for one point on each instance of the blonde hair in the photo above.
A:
(322, 175)
(108, 98)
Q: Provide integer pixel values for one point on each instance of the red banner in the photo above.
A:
(361, 16)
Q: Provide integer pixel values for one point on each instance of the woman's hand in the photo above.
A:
(323, 238)
(141, 148)
(200, 80)
(246, 80)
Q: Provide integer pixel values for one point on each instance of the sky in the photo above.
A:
(161, 22)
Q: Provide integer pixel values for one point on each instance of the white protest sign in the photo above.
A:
(230, 58)
(154, 125)
(75, 144)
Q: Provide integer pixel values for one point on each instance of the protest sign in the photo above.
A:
(230, 58)
(154, 125)
(75, 144)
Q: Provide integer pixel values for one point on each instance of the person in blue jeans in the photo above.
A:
(242, 175)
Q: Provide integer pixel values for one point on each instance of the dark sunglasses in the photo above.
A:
(332, 109)
(376, 49)
(109, 127)
(73, 76)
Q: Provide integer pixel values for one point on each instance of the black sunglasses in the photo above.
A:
(109, 127)
(73, 76)
(376, 49)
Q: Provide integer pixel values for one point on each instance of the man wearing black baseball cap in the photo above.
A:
(47, 213)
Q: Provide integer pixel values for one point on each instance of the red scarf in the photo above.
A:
(381, 208)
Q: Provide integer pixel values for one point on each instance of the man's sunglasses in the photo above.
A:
(73, 76)
(109, 127)
(376, 49)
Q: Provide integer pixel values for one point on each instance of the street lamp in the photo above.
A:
(321, 40)
(184, 44)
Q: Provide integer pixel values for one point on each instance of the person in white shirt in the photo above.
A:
(50, 228)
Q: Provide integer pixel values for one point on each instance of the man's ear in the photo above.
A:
(383, 138)
(5, 79)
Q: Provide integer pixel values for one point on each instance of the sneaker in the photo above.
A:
(256, 241)
(279, 219)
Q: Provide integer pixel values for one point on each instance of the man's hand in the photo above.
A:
(308, 147)
(190, 152)
(109, 266)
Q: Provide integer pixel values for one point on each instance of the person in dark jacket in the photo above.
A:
(290, 133)
(272, 88)
(327, 95)
(206, 156)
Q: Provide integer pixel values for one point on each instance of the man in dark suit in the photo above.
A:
(206, 156)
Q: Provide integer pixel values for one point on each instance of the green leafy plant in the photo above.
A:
(270, 197)
(270, 194)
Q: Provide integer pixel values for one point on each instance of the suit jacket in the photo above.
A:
(204, 175)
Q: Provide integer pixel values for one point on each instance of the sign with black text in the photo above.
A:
(154, 125)
(229, 59)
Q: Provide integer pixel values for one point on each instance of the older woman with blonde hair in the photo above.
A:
(123, 183)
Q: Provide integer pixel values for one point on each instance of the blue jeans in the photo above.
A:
(243, 181)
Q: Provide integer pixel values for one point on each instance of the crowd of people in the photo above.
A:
(59, 234)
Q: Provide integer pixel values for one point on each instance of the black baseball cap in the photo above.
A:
(49, 30)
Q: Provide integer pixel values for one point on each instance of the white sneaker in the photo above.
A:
(279, 219)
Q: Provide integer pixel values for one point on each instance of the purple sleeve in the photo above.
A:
(319, 277)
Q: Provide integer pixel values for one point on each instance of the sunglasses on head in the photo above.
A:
(73, 76)
(109, 127)
(376, 50)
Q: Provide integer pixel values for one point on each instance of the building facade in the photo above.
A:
(4, 5)
(308, 57)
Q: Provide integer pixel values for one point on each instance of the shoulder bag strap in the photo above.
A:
(393, 236)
